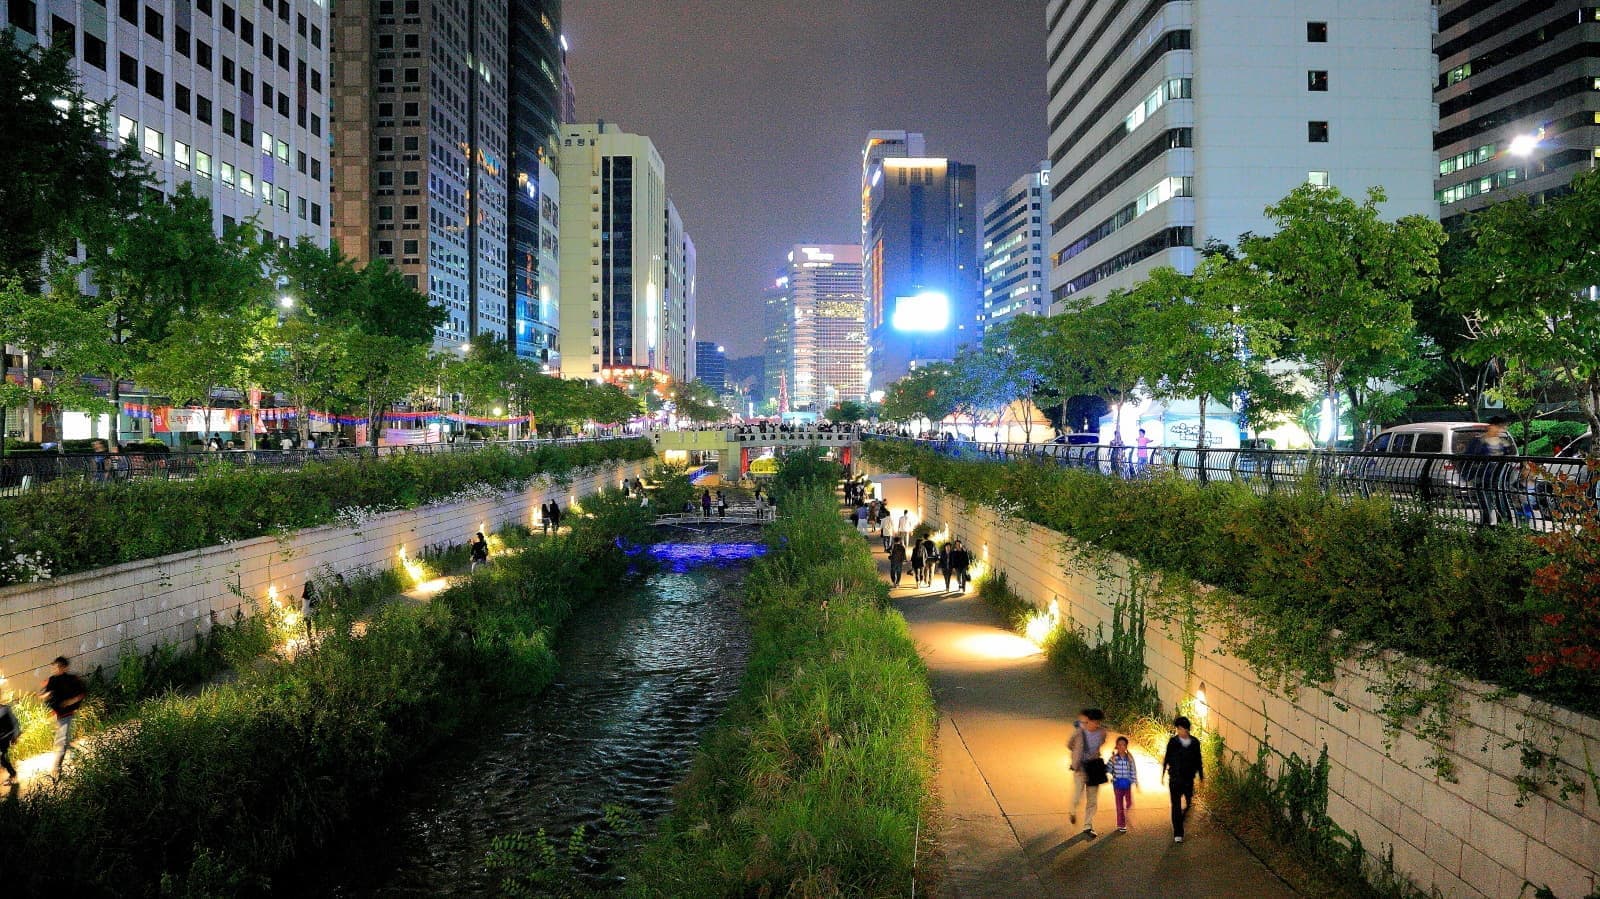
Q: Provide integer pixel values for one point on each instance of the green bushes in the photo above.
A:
(814, 782)
(76, 526)
(213, 794)
(1307, 580)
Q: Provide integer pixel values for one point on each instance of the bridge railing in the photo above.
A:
(18, 474)
(1514, 490)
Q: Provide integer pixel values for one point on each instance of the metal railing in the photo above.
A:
(1515, 490)
(21, 473)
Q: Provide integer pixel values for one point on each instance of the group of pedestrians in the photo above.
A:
(706, 502)
(550, 517)
(951, 560)
(1181, 766)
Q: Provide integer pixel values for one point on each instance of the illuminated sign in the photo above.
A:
(925, 313)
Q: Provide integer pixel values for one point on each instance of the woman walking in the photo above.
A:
(919, 561)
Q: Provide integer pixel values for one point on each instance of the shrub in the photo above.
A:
(814, 782)
(215, 793)
(1306, 579)
(77, 525)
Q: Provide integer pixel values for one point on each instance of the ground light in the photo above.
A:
(413, 568)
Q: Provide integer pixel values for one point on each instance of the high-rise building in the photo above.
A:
(825, 312)
(881, 145)
(1518, 109)
(229, 99)
(421, 147)
(618, 314)
(678, 318)
(920, 263)
(711, 365)
(1175, 123)
(1016, 233)
(777, 343)
(533, 103)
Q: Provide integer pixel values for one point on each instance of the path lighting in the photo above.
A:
(413, 568)
(498, 410)
(1201, 708)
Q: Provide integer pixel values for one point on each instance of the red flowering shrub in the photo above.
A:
(1566, 587)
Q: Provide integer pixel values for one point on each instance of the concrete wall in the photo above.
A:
(1467, 838)
(92, 615)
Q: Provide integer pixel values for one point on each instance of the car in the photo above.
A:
(1399, 456)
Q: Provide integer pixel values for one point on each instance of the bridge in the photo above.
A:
(736, 441)
(701, 524)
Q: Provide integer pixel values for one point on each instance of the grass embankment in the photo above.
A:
(1307, 580)
(814, 783)
(212, 794)
(72, 525)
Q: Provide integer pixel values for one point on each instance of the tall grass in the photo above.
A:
(814, 783)
(211, 795)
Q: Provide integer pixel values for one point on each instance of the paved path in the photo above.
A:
(1004, 720)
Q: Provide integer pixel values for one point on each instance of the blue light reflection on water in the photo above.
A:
(685, 556)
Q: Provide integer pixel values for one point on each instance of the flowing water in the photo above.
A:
(643, 674)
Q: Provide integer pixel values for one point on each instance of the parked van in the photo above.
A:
(1394, 456)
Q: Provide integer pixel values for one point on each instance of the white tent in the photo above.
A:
(1174, 423)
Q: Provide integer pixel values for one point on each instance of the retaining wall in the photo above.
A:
(1467, 838)
(91, 616)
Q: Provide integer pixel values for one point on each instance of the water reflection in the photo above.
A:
(681, 557)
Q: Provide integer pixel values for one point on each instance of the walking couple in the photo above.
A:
(1180, 767)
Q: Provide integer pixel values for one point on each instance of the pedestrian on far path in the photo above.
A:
(944, 565)
(63, 693)
(919, 561)
(1179, 768)
(903, 525)
(1124, 777)
(10, 732)
(544, 518)
(1088, 767)
(1487, 476)
(555, 516)
(897, 561)
(722, 505)
(960, 562)
(886, 530)
(480, 550)
(930, 557)
(705, 502)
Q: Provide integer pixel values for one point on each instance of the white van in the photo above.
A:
(1404, 443)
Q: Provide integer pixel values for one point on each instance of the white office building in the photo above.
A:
(230, 98)
(1016, 234)
(1173, 123)
(627, 268)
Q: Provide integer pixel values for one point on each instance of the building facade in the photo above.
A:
(1173, 123)
(826, 327)
(777, 344)
(533, 103)
(711, 366)
(421, 148)
(1016, 234)
(1519, 112)
(919, 263)
(230, 99)
(627, 268)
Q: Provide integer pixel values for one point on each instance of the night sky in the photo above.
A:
(760, 107)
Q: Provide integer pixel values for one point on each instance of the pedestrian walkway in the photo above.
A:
(1004, 721)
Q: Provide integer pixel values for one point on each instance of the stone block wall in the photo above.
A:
(1472, 837)
(91, 616)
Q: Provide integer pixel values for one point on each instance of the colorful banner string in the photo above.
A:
(398, 419)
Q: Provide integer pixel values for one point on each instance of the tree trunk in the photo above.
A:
(1331, 395)
(1200, 442)
(1590, 400)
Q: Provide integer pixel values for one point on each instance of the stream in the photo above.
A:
(644, 673)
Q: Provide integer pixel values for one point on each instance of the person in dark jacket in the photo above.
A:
(919, 561)
(930, 558)
(1179, 768)
(555, 516)
(944, 565)
(897, 561)
(480, 550)
(10, 732)
(705, 503)
(960, 562)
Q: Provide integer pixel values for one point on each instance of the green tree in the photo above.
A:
(391, 327)
(62, 341)
(57, 175)
(204, 351)
(1003, 373)
(846, 412)
(1527, 285)
(1342, 280)
(695, 401)
(1203, 337)
(927, 393)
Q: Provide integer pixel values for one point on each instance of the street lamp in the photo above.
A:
(1524, 144)
(286, 301)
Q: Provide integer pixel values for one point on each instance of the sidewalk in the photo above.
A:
(1004, 720)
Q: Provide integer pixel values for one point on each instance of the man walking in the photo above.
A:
(1487, 476)
(63, 693)
(897, 561)
(960, 562)
(1088, 766)
(1179, 768)
(555, 516)
(944, 565)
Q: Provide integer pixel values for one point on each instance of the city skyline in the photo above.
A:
(765, 142)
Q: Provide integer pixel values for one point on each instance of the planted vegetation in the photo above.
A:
(814, 783)
(75, 526)
(1307, 580)
(215, 793)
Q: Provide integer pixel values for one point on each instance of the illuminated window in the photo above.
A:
(1317, 179)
